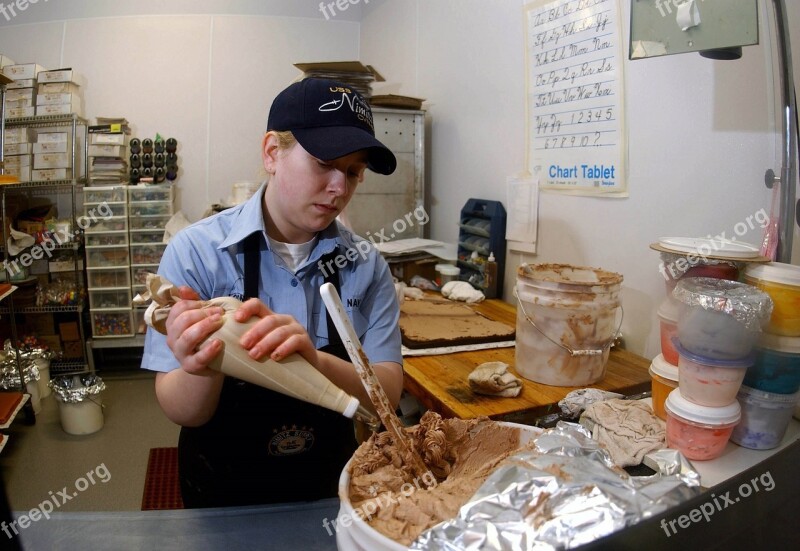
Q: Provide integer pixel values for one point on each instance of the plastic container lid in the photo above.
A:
(748, 305)
(747, 361)
(788, 274)
(706, 415)
(704, 246)
(449, 269)
(663, 368)
(668, 310)
(789, 345)
(772, 397)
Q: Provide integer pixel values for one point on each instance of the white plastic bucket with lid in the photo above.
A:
(567, 319)
(80, 403)
(353, 533)
(782, 283)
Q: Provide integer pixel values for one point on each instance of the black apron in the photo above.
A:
(262, 446)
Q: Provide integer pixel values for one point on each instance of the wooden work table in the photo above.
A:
(440, 382)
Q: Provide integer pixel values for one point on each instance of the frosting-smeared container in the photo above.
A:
(718, 318)
(777, 365)
(765, 417)
(668, 322)
(664, 379)
(699, 432)
(709, 381)
(782, 283)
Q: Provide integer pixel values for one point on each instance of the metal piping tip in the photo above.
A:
(368, 418)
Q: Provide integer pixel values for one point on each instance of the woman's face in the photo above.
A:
(306, 194)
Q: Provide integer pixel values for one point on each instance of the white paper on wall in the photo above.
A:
(522, 212)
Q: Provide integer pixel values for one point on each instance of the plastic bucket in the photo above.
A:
(782, 283)
(80, 403)
(699, 432)
(765, 417)
(567, 319)
(353, 533)
(44, 377)
(777, 365)
(668, 321)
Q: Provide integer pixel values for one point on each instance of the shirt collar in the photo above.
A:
(249, 219)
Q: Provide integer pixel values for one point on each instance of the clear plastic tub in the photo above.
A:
(777, 365)
(664, 378)
(765, 417)
(699, 432)
(668, 321)
(708, 381)
(720, 319)
(782, 283)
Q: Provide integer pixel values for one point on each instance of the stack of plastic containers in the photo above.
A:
(719, 322)
(770, 391)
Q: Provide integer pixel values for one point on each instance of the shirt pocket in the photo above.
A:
(320, 327)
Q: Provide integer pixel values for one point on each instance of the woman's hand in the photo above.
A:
(188, 325)
(274, 335)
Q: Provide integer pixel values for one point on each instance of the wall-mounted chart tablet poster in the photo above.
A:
(575, 116)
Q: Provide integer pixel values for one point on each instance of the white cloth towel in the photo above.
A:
(493, 379)
(463, 291)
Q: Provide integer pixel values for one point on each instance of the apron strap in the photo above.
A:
(252, 277)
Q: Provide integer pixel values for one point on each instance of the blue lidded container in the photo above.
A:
(777, 365)
(765, 418)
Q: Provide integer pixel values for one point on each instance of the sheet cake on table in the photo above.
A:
(437, 323)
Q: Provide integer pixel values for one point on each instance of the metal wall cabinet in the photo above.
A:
(393, 207)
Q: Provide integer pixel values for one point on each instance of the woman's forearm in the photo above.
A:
(186, 399)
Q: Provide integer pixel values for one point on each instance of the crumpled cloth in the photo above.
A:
(18, 241)
(493, 379)
(627, 428)
(463, 291)
(403, 292)
(574, 403)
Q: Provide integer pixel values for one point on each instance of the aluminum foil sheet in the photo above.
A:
(9, 375)
(563, 494)
(749, 305)
(73, 389)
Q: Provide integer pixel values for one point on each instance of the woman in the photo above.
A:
(241, 444)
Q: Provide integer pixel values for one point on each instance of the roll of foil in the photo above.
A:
(73, 389)
(563, 494)
(749, 305)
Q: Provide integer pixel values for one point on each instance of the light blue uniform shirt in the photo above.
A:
(208, 256)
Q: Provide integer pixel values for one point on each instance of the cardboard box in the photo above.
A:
(108, 139)
(53, 342)
(18, 103)
(23, 70)
(18, 134)
(58, 88)
(19, 112)
(107, 151)
(51, 147)
(73, 349)
(404, 270)
(52, 160)
(17, 161)
(23, 173)
(5, 60)
(49, 174)
(20, 93)
(57, 99)
(61, 75)
(17, 149)
(61, 108)
(69, 331)
(50, 136)
(23, 83)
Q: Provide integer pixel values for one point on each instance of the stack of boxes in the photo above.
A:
(58, 93)
(123, 246)
(17, 153)
(52, 156)
(21, 94)
(108, 144)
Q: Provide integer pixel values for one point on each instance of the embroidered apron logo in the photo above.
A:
(290, 441)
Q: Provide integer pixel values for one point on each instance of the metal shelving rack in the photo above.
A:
(71, 186)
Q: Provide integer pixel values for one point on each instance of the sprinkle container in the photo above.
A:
(718, 318)
(765, 417)
(709, 381)
(668, 321)
(699, 432)
(782, 283)
(777, 365)
(664, 377)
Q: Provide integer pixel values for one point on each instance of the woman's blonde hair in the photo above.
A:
(285, 138)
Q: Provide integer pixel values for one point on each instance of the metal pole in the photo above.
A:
(788, 174)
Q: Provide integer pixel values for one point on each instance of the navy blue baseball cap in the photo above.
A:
(330, 120)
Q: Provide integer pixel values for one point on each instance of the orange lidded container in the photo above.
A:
(664, 378)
